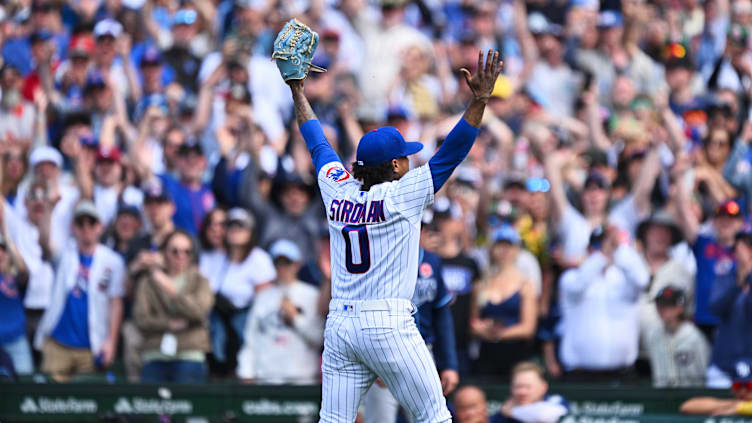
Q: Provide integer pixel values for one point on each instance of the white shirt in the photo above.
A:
(374, 234)
(26, 237)
(276, 353)
(238, 281)
(107, 199)
(62, 214)
(680, 358)
(105, 282)
(600, 311)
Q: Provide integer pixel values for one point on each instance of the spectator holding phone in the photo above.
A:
(284, 326)
(79, 330)
(171, 311)
(600, 309)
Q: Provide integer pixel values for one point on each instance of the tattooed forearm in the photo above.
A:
(303, 110)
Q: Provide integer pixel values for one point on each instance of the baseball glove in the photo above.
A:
(293, 50)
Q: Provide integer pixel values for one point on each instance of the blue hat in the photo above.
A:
(184, 17)
(610, 19)
(382, 145)
(286, 248)
(151, 56)
(506, 233)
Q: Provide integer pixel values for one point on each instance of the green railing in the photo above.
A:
(30, 402)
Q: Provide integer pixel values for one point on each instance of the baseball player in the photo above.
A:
(374, 219)
(434, 320)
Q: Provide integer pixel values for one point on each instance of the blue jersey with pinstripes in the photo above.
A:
(374, 234)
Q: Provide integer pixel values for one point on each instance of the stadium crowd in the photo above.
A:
(160, 209)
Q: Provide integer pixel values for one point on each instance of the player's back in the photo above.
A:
(374, 234)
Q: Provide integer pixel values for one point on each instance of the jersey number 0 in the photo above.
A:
(357, 248)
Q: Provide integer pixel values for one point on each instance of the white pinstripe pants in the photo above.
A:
(364, 340)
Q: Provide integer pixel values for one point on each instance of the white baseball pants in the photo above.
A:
(367, 339)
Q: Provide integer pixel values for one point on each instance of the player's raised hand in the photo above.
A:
(482, 83)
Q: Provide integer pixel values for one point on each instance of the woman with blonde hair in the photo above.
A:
(505, 309)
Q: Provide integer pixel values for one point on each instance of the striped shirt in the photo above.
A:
(678, 359)
(374, 234)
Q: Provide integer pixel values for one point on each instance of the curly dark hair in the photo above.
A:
(373, 175)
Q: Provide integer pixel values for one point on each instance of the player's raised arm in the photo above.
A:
(321, 152)
(459, 141)
(293, 53)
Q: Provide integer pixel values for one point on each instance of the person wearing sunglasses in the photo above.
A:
(79, 330)
(741, 404)
(171, 310)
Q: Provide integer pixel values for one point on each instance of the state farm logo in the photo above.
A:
(47, 405)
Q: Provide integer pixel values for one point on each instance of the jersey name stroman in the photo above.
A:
(374, 234)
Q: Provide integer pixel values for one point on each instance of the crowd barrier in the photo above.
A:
(228, 402)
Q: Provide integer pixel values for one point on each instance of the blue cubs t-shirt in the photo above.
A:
(190, 205)
(12, 316)
(72, 329)
(712, 259)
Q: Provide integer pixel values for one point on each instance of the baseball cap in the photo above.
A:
(86, 208)
(506, 233)
(728, 208)
(184, 17)
(382, 145)
(108, 27)
(154, 192)
(610, 19)
(130, 209)
(539, 25)
(241, 216)
(597, 179)
(45, 154)
(287, 249)
(677, 56)
(108, 153)
(670, 296)
(151, 56)
(81, 45)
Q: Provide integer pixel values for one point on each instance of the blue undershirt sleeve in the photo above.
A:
(444, 347)
(452, 152)
(321, 152)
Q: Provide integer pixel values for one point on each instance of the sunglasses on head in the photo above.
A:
(738, 386)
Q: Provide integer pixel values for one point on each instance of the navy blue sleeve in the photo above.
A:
(725, 291)
(444, 346)
(452, 152)
(226, 184)
(321, 152)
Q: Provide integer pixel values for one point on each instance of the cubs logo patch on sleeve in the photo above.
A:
(337, 174)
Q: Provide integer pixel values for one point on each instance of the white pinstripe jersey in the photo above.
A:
(374, 234)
